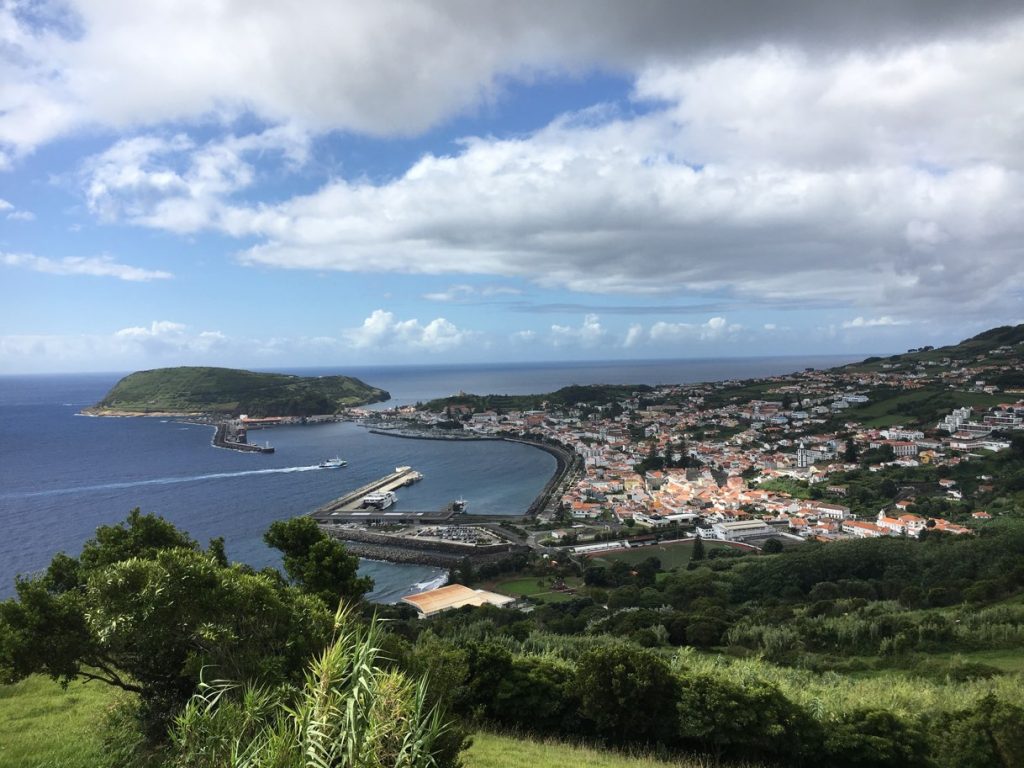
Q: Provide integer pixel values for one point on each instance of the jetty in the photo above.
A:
(349, 508)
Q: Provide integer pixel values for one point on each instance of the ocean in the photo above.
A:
(62, 474)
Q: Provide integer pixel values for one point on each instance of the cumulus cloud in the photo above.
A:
(779, 155)
(382, 329)
(384, 67)
(771, 175)
(163, 336)
(587, 334)
(171, 183)
(715, 328)
(97, 266)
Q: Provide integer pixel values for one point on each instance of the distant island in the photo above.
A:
(230, 392)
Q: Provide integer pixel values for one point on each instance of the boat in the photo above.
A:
(335, 463)
(379, 499)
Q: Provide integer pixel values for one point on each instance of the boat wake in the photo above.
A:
(160, 481)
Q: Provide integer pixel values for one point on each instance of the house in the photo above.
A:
(831, 511)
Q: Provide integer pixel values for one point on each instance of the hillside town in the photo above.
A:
(755, 460)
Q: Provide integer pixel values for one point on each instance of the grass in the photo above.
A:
(534, 587)
(44, 726)
(921, 406)
(491, 750)
(672, 556)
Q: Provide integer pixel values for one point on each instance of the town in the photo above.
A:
(781, 458)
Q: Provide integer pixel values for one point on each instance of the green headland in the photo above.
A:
(230, 392)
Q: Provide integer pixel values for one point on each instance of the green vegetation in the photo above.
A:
(537, 589)
(671, 556)
(226, 391)
(919, 407)
(870, 653)
(969, 349)
(144, 609)
(567, 397)
(494, 750)
(349, 712)
(43, 725)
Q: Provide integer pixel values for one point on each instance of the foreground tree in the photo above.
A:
(317, 563)
(348, 713)
(145, 610)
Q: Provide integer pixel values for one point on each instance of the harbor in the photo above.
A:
(362, 503)
(363, 518)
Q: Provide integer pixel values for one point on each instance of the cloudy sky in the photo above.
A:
(244, 183)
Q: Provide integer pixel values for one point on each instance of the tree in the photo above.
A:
(316, 562)
(621, 688)
(874, 739)
(850, 453)
(989, 734)
(749, 721)
(144, 609)
(772, 547)
(698, 553)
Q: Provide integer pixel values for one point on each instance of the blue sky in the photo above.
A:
(242, 185)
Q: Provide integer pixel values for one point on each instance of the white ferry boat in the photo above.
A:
(380, 499)
(335, 463)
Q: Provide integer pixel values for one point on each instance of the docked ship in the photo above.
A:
(335, 463)
(379, 499)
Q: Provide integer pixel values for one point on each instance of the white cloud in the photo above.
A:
(715, 328)
(873, 322)
(161, 342)
(588, 334)
(164, 336)
(171, 183)
(381, 329)
(99, 266)
(634, 335)
(769, 174)
(385, 67)
(5, 206)
(21, 216)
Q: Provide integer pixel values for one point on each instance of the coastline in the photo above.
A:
(376, 546)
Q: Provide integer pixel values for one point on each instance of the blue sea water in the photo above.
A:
(62, 474)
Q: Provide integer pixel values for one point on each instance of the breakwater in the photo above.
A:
(227, 435)
(379, 546)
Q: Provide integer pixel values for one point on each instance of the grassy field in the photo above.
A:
(44, 726)
(922, 406)
(671, 555)
(535, 588)
(491, 750)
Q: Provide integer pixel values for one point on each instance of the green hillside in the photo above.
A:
(567, 397)
(997, 348)
(229, 391)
